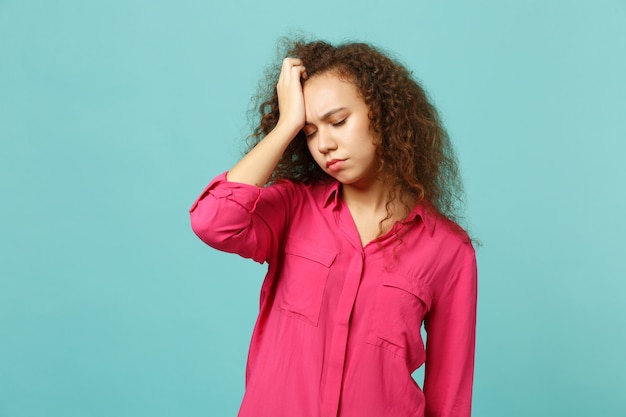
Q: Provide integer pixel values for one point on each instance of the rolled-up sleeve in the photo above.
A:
(451, 335)
(240, 218)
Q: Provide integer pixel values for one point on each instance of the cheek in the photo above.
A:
(311, 145)
(320, 161)
(313, 151)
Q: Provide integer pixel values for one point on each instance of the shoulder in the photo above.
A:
(448, 239)
(452, 263)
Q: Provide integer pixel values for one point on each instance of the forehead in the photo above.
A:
(327, 91)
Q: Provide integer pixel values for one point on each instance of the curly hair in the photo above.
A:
(416, 158)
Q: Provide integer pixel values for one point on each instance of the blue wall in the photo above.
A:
(114, 115)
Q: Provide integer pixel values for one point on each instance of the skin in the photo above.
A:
(338, 129)
(257, 165)
(335, 119)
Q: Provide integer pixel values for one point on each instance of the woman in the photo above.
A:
(349, 194)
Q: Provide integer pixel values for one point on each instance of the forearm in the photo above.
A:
(256, 167)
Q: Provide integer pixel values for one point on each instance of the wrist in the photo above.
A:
(287, 130)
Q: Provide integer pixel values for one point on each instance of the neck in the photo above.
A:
(368, 207)
(372, 199)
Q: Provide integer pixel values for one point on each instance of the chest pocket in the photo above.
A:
(303, 279)
(400, 305)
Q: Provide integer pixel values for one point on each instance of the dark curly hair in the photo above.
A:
(416, 158)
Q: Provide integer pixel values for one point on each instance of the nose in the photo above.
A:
(325, 141)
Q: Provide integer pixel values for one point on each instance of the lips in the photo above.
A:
(333, 162)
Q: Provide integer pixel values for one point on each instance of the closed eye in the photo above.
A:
(309, 135)
(340, 123)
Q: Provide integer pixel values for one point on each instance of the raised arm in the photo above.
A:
(256, 167)
(236, 213)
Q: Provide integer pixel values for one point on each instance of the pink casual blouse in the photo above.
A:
(338, 331)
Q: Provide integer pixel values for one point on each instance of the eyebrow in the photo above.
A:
(331, 112)
(328, 114)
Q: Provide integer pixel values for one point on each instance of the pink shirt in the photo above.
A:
(338, 331)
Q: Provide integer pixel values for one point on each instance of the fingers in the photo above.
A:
(292, 68)
(290, 62)
(290, 95)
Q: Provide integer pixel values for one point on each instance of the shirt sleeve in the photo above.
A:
(450, 345)
(241, 218)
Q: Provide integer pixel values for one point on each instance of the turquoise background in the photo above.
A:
(114, 115)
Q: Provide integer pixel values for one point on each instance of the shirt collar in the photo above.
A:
(331, 194)
(424, 209)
